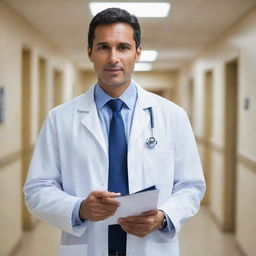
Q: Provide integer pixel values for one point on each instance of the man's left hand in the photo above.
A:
(143, 224)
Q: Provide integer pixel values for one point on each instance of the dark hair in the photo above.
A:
(114, 15)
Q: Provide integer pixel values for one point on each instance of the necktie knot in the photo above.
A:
(116, 105)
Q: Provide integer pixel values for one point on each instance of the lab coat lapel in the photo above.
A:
(141, 118)
(90, 119)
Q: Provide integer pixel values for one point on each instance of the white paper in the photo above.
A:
(134, 204)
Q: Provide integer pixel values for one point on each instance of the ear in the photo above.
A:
(138, 54)
(89, 52)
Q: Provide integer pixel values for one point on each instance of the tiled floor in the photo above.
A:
(199, 237)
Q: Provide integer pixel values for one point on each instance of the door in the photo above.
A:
(230, 162)
(207, 131)
(27, 219)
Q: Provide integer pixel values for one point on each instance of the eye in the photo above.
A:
(102, 47)
(123, 47)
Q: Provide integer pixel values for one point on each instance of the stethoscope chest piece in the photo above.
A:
(151, 142)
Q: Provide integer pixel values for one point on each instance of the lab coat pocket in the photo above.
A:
(170, 248)
(159, 166)
(71, 250)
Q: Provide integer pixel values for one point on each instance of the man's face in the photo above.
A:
(114, 54)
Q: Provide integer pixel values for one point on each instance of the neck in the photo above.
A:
(114, 91)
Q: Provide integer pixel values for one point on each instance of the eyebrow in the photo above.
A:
(126, 44)
(122, 43)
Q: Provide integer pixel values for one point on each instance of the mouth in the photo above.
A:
(113, 70)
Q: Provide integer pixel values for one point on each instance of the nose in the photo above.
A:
(113, 56)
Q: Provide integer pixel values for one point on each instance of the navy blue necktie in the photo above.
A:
(118, 174)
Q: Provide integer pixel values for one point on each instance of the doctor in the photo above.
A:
(95, 147)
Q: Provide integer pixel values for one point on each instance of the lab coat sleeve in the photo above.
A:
(44, 196)
(189, 183)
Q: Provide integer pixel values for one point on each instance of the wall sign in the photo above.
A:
(246, 103)
(2, 104)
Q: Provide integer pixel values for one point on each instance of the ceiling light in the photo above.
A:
(142, 9)
(143, 67)
(148, 55)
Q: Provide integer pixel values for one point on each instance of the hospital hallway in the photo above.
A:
(199, 237)
(199, 54)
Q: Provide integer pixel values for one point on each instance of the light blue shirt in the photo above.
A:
(129, 97)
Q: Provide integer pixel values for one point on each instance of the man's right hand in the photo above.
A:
(99, 205)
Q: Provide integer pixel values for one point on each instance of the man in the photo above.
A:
(95, 147)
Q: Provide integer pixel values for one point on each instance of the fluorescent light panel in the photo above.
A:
(140, 9)
(143, 67)
(148, 55)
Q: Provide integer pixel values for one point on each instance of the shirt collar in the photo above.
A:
(129, 96)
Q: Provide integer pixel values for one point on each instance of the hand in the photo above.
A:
(143, 224)
(99, 205)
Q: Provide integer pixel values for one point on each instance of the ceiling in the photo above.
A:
(189, 28)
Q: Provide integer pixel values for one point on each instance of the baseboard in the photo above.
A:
(218, 223)
(16, 248)
(239, 248)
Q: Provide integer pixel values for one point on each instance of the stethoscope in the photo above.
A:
(151, 141)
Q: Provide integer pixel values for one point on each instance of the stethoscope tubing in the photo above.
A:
(151, 141)
(152, 122)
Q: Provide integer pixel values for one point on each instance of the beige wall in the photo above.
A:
(15, 35)
(156, 80)
(238, 43)
(162, 81)
(11, 210)
(85, 79)
(246, 212)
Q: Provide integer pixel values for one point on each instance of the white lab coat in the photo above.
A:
(71, 159)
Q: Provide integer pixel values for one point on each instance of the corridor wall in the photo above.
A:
(164, 81)
(237, 44)
(16, 34)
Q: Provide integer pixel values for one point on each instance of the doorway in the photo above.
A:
(230, 162)
(42, 91)
(27, 219)
(207, 131)
(191, 100)
(58, 87)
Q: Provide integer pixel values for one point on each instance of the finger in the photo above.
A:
(110, 201)
(149, 213)
(110, 209)
(133, 231)
(137, 220)
(100, 217)
(136, 227)
(102, 214)
(101, 194)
